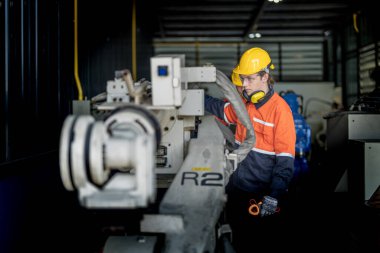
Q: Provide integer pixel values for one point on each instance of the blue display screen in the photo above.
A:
(162, 70)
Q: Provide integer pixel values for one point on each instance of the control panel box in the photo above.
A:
(166, 81)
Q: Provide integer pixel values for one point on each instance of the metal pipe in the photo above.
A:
(230, 92)
(134, 64)
(134, 92)
(76, 75)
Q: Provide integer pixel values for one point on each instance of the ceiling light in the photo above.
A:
(254, 35)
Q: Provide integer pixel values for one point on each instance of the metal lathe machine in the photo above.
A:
(143, 136)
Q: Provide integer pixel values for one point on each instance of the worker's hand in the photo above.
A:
(268, 206)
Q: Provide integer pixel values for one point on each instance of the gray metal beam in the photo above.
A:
(252, 25)
(289, 6)
(204, 33)
(295, 23)
(298, 15)
(208, 8)
(292, 32)
(227, 16)
(196, 25)
(237, 39)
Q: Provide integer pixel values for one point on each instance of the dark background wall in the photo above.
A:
(105, 41)
(37, 88)
(35, 75)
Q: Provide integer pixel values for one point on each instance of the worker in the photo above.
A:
(258, 187)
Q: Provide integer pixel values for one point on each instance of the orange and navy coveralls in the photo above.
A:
(268, 167)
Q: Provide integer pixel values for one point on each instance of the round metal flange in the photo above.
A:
(133, 118)
(98, 137)
(77, 150)
(64, 152)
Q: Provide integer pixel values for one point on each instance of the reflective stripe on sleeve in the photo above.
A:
(263, 122)
(225, 116)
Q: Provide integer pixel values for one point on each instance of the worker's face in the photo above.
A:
(255, 82)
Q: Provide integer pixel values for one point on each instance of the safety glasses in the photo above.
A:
(250, 79)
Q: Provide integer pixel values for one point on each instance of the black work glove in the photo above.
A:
(269, 206)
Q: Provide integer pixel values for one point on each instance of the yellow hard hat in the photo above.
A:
(252, 61)
(236, 79)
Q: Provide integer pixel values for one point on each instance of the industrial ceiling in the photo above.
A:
(241, 20)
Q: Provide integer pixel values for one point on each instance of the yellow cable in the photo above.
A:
(134, 69)
(76, 75)
(354, 16)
